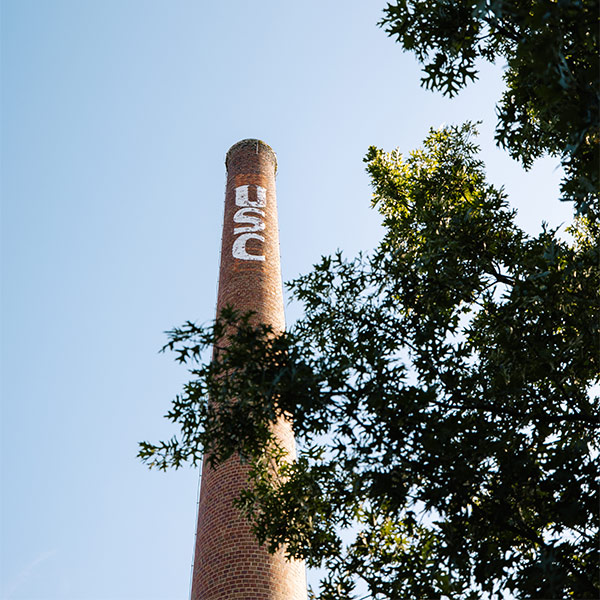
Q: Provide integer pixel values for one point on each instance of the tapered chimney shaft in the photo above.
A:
(229, 564)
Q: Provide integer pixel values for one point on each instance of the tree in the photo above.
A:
(551, 103)
(440, 392)
(441, 388)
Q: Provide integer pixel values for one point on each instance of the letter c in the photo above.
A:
(239, 247)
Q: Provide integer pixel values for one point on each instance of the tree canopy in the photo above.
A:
(443, 388)
(551, 102)
(439, 390)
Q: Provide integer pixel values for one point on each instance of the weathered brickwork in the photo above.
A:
(228, 563)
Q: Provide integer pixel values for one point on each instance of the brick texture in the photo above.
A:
(228, 562)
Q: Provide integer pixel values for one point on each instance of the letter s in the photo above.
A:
(242, 216)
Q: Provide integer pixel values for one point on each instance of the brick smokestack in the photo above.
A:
(228, 562)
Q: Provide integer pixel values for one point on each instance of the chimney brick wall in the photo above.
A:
(229, 564)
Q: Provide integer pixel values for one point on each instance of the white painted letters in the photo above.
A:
(239, 247)
(254, 223)
(241, 195)
(261, 196)
(242, 216)
(242, 199)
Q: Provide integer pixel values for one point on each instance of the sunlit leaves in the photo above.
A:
(440, 390)
(551, 102)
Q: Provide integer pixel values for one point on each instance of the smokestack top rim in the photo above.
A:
(249, 144)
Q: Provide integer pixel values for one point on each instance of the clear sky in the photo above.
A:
(116, 118)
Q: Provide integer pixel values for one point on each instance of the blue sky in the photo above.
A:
(116, 118)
